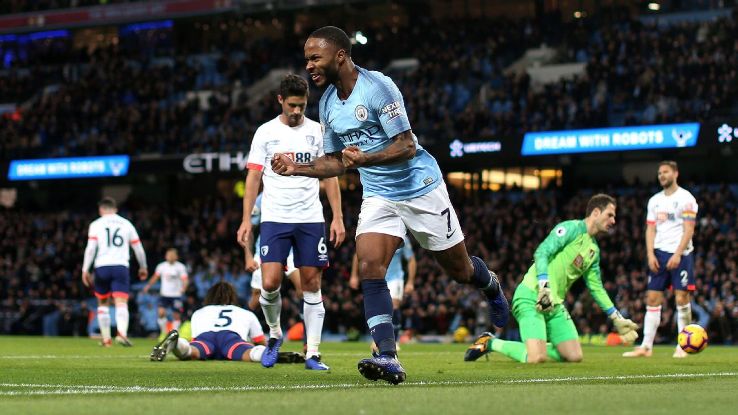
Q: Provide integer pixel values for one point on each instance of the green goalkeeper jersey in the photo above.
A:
(567, 254)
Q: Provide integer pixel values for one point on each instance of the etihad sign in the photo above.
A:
(219, 162)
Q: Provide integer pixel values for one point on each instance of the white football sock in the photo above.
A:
(121, 318)
(182, 349)
(650, 325)
(314, 312)
(271, 305)
(684, 315)
(256, 352)
(162, 322)
(103, 320)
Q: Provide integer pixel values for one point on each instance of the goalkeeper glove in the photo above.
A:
(626, 328)
(543, 303)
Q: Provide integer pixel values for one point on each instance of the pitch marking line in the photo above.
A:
(87, 357)
(28, 389)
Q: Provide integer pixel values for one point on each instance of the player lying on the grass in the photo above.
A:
(568, 253)
(220, 330)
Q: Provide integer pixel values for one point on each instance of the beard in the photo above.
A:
(331, 75)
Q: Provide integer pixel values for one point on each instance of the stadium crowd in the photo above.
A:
(41, 255)
(27, 6)
(89, 106)
(136, 97)
(634, 73)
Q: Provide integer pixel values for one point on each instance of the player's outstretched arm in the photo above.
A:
(626, 328)
(329, 165)
(402, 149)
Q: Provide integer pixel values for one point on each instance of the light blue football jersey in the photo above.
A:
(372, 115)
(395, 270)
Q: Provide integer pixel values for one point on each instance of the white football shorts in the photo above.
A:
(396, 288)
(430, 218)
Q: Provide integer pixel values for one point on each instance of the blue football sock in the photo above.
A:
(481, 277)
(378, 314)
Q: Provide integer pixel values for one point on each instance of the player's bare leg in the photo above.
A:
(684, 317)
(651, 322)
(271, 304)
(121, 320)
(374, 252)
(570, 351)
(296, 279)
(314, 315)
(536, 350)
(473, 270)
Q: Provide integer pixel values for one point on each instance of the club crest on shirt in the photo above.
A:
(264, 250)
(310, 140)
(361, 113)
(578, 261)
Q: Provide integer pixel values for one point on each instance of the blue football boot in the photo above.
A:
(271, 354)
(314, 363)
(384, 367)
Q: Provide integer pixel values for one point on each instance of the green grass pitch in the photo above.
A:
(75, 376)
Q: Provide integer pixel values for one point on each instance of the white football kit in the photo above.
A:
(172, 277)
(215, 318)
(668, 213)
(288, 199)
(114, 235)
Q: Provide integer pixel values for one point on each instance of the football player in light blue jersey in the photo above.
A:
(366, 127)
(395, 278)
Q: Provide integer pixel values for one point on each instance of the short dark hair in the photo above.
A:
(670, 163)
(334, 35)
(222, 293)
(293, 86)
(600, 201)
(107, 203)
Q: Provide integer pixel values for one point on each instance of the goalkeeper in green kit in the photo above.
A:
(568, 253)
